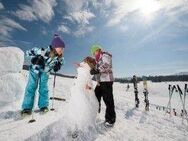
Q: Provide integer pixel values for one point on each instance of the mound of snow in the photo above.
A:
(12, 82)
(11, 60)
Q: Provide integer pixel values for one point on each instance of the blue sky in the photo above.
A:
(145, 37)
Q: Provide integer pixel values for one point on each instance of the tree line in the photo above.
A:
(155, 78)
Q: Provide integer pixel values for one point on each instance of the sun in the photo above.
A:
(148, 7)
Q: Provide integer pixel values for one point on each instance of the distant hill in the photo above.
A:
(182, 73)
(156, 78)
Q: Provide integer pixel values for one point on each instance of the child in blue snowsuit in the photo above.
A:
(43, 61)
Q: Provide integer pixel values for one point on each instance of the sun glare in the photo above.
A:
(148, 7)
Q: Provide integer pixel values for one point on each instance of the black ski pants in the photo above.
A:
(105, 91)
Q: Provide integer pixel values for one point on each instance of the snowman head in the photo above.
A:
(85, 66)
(90, 61)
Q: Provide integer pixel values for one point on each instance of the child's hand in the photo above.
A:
(88, 87)
(98, 84)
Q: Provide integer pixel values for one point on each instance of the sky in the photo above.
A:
(145, 37)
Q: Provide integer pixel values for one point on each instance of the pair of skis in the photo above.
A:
(137, 102)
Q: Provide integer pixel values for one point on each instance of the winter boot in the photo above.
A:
(108, 124)
(26, 112)
(137, 102)
(44, 109)
(147, 108)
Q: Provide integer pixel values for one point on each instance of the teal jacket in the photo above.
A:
(41, 61)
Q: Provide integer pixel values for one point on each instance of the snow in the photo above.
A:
(12, 82)
(132, 124)
(11, 60)
(83, 105)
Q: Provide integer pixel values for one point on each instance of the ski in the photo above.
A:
(57, 98)
(136, 91)
(22, 116)
(145, 91)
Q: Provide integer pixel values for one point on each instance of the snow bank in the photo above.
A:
(12, 82)
(11, 60)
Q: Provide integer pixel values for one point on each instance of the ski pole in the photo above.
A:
(52, 109)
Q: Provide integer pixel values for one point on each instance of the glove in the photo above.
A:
(34, 60)
(94, 71)
(38, 60)
(57, 66)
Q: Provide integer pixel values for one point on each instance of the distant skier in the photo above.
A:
(128, 87)
(43, 61)
(105, 86)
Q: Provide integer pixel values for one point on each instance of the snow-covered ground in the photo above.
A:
(132, 124)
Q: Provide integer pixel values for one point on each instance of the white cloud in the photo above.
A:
(101, 3)
(79, 13)
(83, 30)
(6, 27)
(172, 20)
(82, 17)
(1, 6)
(66, 17)
(122, 8)
(75, 5)
(26, 13)
(169, 5)
(64, 29)
(78, 10)
(37, 10)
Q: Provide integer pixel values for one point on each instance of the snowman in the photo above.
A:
(83, 105)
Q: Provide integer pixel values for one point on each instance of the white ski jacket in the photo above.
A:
(104, 65)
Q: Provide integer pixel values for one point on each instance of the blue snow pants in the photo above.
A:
(34, 80)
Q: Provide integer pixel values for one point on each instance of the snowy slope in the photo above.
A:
(132, 124)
